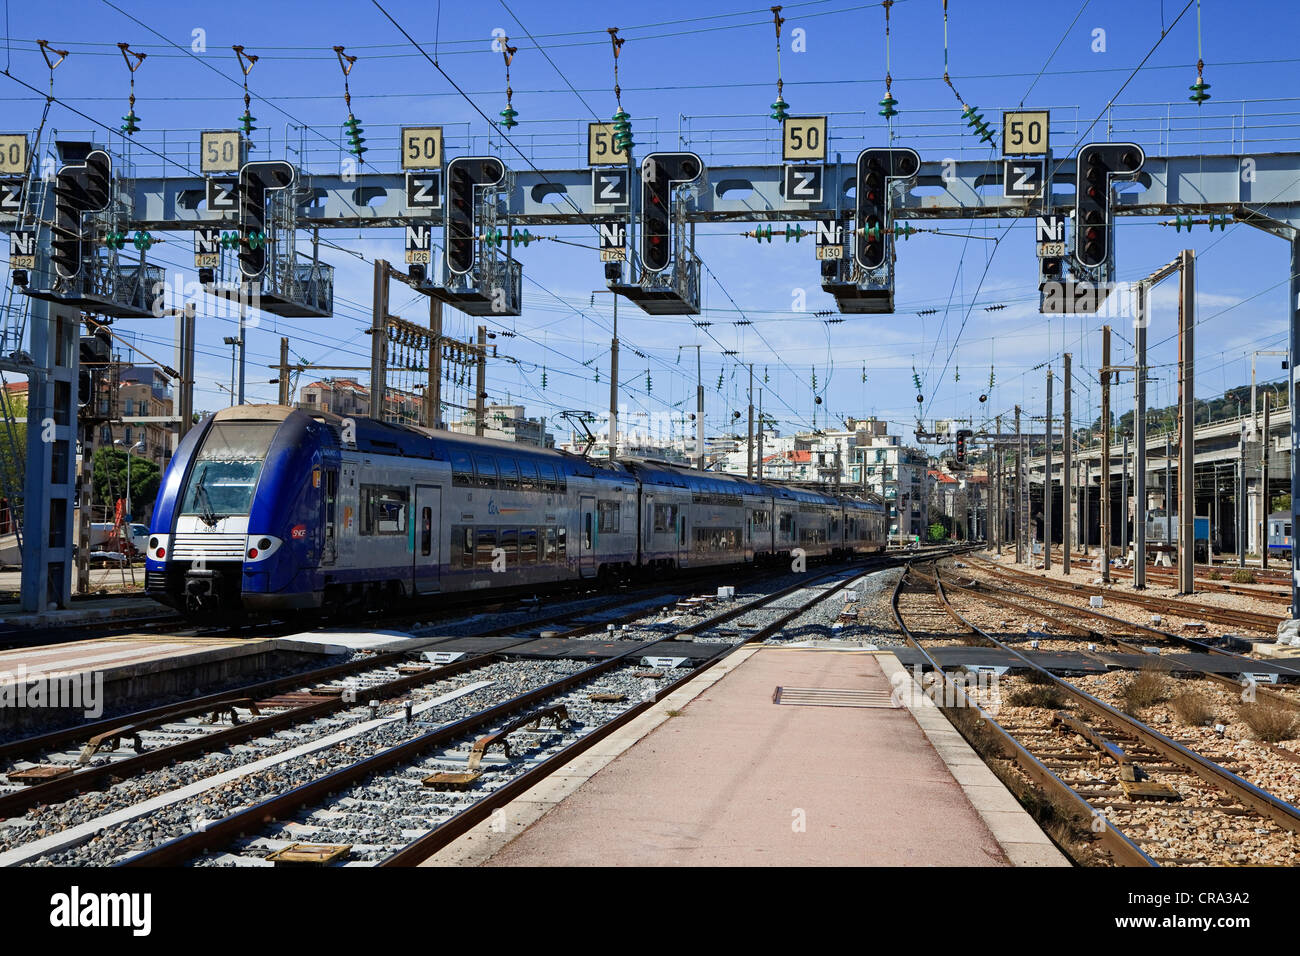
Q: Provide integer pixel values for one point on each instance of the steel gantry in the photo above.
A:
(1261, 190)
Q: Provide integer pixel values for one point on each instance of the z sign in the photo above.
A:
(1022, 178)
(609, 187)
(422, 190)
(803, 184)
(223, 195)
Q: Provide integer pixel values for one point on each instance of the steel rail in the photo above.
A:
(1122, 849)
(982, 590)
(1263, 802)
(1263, 622)
(185, 847)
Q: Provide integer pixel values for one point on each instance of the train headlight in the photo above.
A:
(260, 547)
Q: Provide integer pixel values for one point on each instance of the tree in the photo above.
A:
(108, 476)
(13, 448)
(936, 532)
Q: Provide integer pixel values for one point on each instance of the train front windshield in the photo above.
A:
(226, 469)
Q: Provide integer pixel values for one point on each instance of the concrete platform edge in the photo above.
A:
(1019, 835)
(492, 835)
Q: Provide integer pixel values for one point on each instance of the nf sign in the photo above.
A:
(613, 242)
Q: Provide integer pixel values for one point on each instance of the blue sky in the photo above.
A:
(707, 72)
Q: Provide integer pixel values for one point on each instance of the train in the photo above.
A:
(272, 509)
(1279, 532)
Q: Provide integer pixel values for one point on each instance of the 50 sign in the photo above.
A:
(1024, 133)
(803, 139)
(422, 147)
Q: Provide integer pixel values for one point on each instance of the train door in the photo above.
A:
(330, 507)
(587, 536)
(427, 553)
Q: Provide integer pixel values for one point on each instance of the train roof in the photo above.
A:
(415, 441)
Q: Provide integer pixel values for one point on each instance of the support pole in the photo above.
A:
(1263, 486)
(1047, 483)
(378, 341)
(1104, 502)
(284, 370)
(186, 366)
(1140, 441)
(1187, 424)
(1292, 394)
(1020, 454)
(760, 438)
(749, 445)
(1067, 475)
(997, 488)
(480, 389)
(243, 352)
(1241, 498)
(433, 392)
(699, 411)
(613, 388)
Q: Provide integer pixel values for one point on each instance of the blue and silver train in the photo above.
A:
(267, 508)
(1279, 532)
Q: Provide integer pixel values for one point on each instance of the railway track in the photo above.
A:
(1264, 623)
(1112, 788)
(402, 717)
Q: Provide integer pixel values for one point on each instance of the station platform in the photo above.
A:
(76, 680)
(832, 770)
(92, 610)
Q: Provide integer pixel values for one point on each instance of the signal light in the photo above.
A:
(464, 175)
(78, 188)
(162, 553)
(417, 272)
(876, 167)
(1098, 164)
(660, 172)
(207, 276)
(255, 179)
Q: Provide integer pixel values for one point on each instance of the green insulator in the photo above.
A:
(508, 118)
(1198, 89)
(779, 109)
(143, 241)
(230, 240)
(903, 229)
(114, 240)
(130, 123)
(887, 106)
(256, 240)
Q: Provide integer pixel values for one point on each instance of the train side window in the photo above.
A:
(462, 469)
(527, 475)
(609, 515)
(586, 530)
(509, 473)
(426, 531)
(527, 546)
(383, 509)
(509, 543)
(486, 467)
(485, 544)
(548, 547)
(665, 519)
(467, 546)
(549, 483)
(561, 536)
